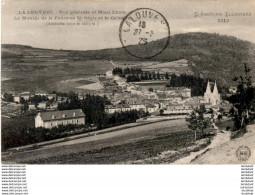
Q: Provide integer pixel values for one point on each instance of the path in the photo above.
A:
(221, 138)
(226, 152)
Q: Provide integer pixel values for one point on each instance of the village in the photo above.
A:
(123, 97)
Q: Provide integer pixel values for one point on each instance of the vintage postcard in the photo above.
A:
(128, 82)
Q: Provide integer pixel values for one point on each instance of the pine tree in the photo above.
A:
(158, 76)
(166, 76)
(150, 77)
(243, 101)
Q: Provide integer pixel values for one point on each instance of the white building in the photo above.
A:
(24, 95)
(108, 73)
(152, 108)
(138, 107)
(56, 118)
(16, 98)
(110, 109)
(42, 105)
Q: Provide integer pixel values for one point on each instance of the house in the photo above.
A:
(16, 98)
(178, 91)
(41, 94)
(31, 107)
(178, 109)
(108, 73)
(52, 97)
(110, 109)
(53, 106)
(56, 118)
(151, 108)
(149, 95)
(138, 107)
(42, 105)
(136, 104)
(125, 108)
(232, 89)
(24, 95)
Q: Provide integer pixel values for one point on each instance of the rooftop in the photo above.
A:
(64, 114)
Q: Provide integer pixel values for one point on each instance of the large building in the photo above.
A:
(212, 95)
(56, 118)
(110, 109)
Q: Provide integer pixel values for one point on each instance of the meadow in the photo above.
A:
(46, 76)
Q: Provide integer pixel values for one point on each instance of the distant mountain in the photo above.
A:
(209, 55)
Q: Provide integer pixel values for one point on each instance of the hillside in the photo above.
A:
(210, 55)
(226, 152)
(213, 56)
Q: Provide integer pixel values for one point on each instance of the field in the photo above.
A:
(45, 75)
(10, 109)
(126, 152)
(116, 147)
(84, 82)
(13, 123)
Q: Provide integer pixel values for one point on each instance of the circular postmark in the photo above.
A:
(243, 153)
(140, 28)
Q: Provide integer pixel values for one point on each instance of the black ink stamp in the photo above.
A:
(139, 28)
(243, 153)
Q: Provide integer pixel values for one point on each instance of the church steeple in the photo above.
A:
(215, 89)
(210, 96)
(208, 88)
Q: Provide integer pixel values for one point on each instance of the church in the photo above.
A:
(212, 95)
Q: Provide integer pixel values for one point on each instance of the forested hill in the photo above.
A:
(215, 56)
(209, 55)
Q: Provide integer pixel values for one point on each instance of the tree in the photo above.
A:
(161, 112)
(8, 97)
(193, 123)
(158, 76)
(150, 89)
(146, 76)
(197, 121)
(154, 76)
(166, 76)
(150, 76)
(243, 101)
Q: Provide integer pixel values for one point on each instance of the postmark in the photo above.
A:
(243, 153)
(139, 31)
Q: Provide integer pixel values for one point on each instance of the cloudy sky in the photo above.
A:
(180, 15)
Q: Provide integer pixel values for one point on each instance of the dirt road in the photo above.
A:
(226, 152)
(221, 138)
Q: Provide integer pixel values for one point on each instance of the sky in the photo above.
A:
(180, 15)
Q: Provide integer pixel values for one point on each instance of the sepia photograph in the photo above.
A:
(124, 83)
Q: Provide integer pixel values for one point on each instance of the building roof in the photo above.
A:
(176, 88)
(150, 106)
(60, 115)
(119, 106)
(52, 95)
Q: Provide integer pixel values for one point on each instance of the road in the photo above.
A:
(226, 153)
(97, 142)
